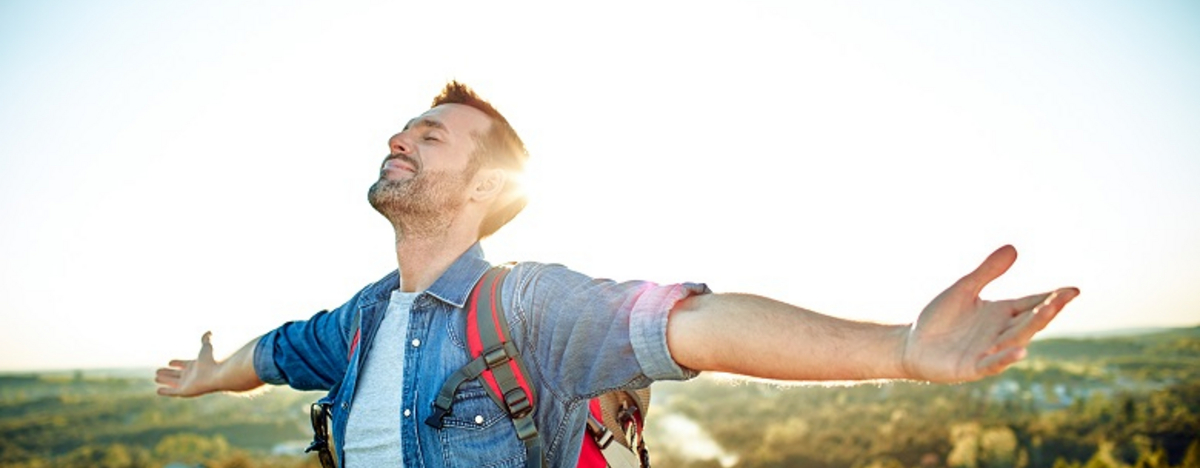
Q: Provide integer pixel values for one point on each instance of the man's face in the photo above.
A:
(426, 175)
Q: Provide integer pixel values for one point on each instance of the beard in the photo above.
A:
(423, 204)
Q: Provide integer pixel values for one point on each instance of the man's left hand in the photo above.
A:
(960, 337)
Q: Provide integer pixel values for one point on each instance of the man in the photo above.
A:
(449, 181)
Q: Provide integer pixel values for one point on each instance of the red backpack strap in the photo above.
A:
(595, 439)
(498, 361)
(354, 341)
(487, 335)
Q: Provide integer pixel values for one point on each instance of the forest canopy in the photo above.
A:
(1131, 401)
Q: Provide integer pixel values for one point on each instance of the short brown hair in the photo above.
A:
(500, 147)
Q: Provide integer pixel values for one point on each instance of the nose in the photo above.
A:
(399, 144)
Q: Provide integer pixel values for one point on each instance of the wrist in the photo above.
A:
(902, 363)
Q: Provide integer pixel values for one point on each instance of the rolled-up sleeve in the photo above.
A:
(588, 336)
(648, 330)
(306, 354)
(264, 360)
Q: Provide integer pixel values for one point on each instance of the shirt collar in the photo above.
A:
(455, 285)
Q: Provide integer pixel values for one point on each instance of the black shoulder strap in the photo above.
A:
(498, 361)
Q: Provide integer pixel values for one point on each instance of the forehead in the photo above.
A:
(456, 119)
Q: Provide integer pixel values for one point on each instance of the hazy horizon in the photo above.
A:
(135, 371)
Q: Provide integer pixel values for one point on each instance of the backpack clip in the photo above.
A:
(518, 403)
(604, 438)
(435, 419)
(497, 356)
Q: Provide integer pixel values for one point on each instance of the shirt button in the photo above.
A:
(345, 406)
(478, 419)
(407, 413)
(416, 343)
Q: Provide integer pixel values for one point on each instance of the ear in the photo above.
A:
(488, 184)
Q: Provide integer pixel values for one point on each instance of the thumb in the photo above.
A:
(992, 267)
(206, 349)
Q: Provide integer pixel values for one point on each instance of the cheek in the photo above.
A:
(452, 162)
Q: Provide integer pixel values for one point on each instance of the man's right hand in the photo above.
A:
(189, 378)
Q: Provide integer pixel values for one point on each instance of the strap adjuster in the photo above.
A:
(627, 414)
(518, 403)
(604, 438)
(318, 443)
(496, 356)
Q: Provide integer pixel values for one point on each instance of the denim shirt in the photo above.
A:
(580, 337)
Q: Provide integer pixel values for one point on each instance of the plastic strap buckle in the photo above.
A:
(435, 420)
(604, 438)
(518, 403)
(627, 414)
(496, 357)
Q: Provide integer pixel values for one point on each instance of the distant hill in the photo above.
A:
(1166, 343)
(1116, 332)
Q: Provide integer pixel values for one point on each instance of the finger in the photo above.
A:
(180, 363)
(995, 363)
(206, 349)
(1018, 331)
(168, 391)
(1054, 304)
(992, 267)
(1027, 303)
(1026, 314)
(167, 377)
(1026, 324)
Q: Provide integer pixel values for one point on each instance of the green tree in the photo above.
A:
(998, 448)
(191, 448)
(1062, 463)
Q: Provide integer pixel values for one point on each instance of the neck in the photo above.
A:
(424, 258)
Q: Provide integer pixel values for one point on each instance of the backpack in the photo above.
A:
(615, 416)
(615, 419)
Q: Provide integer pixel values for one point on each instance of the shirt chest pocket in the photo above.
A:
(478, 433)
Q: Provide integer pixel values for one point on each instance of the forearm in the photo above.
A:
(761, 337)
(236, 373)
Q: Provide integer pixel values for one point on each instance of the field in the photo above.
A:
(1120, 401)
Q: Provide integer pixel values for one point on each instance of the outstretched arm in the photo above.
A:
(189, 378)
(958, 337)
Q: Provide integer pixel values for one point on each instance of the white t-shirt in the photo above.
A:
(373, 435)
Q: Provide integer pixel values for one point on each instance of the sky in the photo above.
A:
(169, 168)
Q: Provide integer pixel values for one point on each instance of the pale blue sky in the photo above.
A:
(168, 168)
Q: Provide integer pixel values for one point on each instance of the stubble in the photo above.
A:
(423, 205)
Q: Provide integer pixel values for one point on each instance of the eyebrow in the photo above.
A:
(426, 122)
